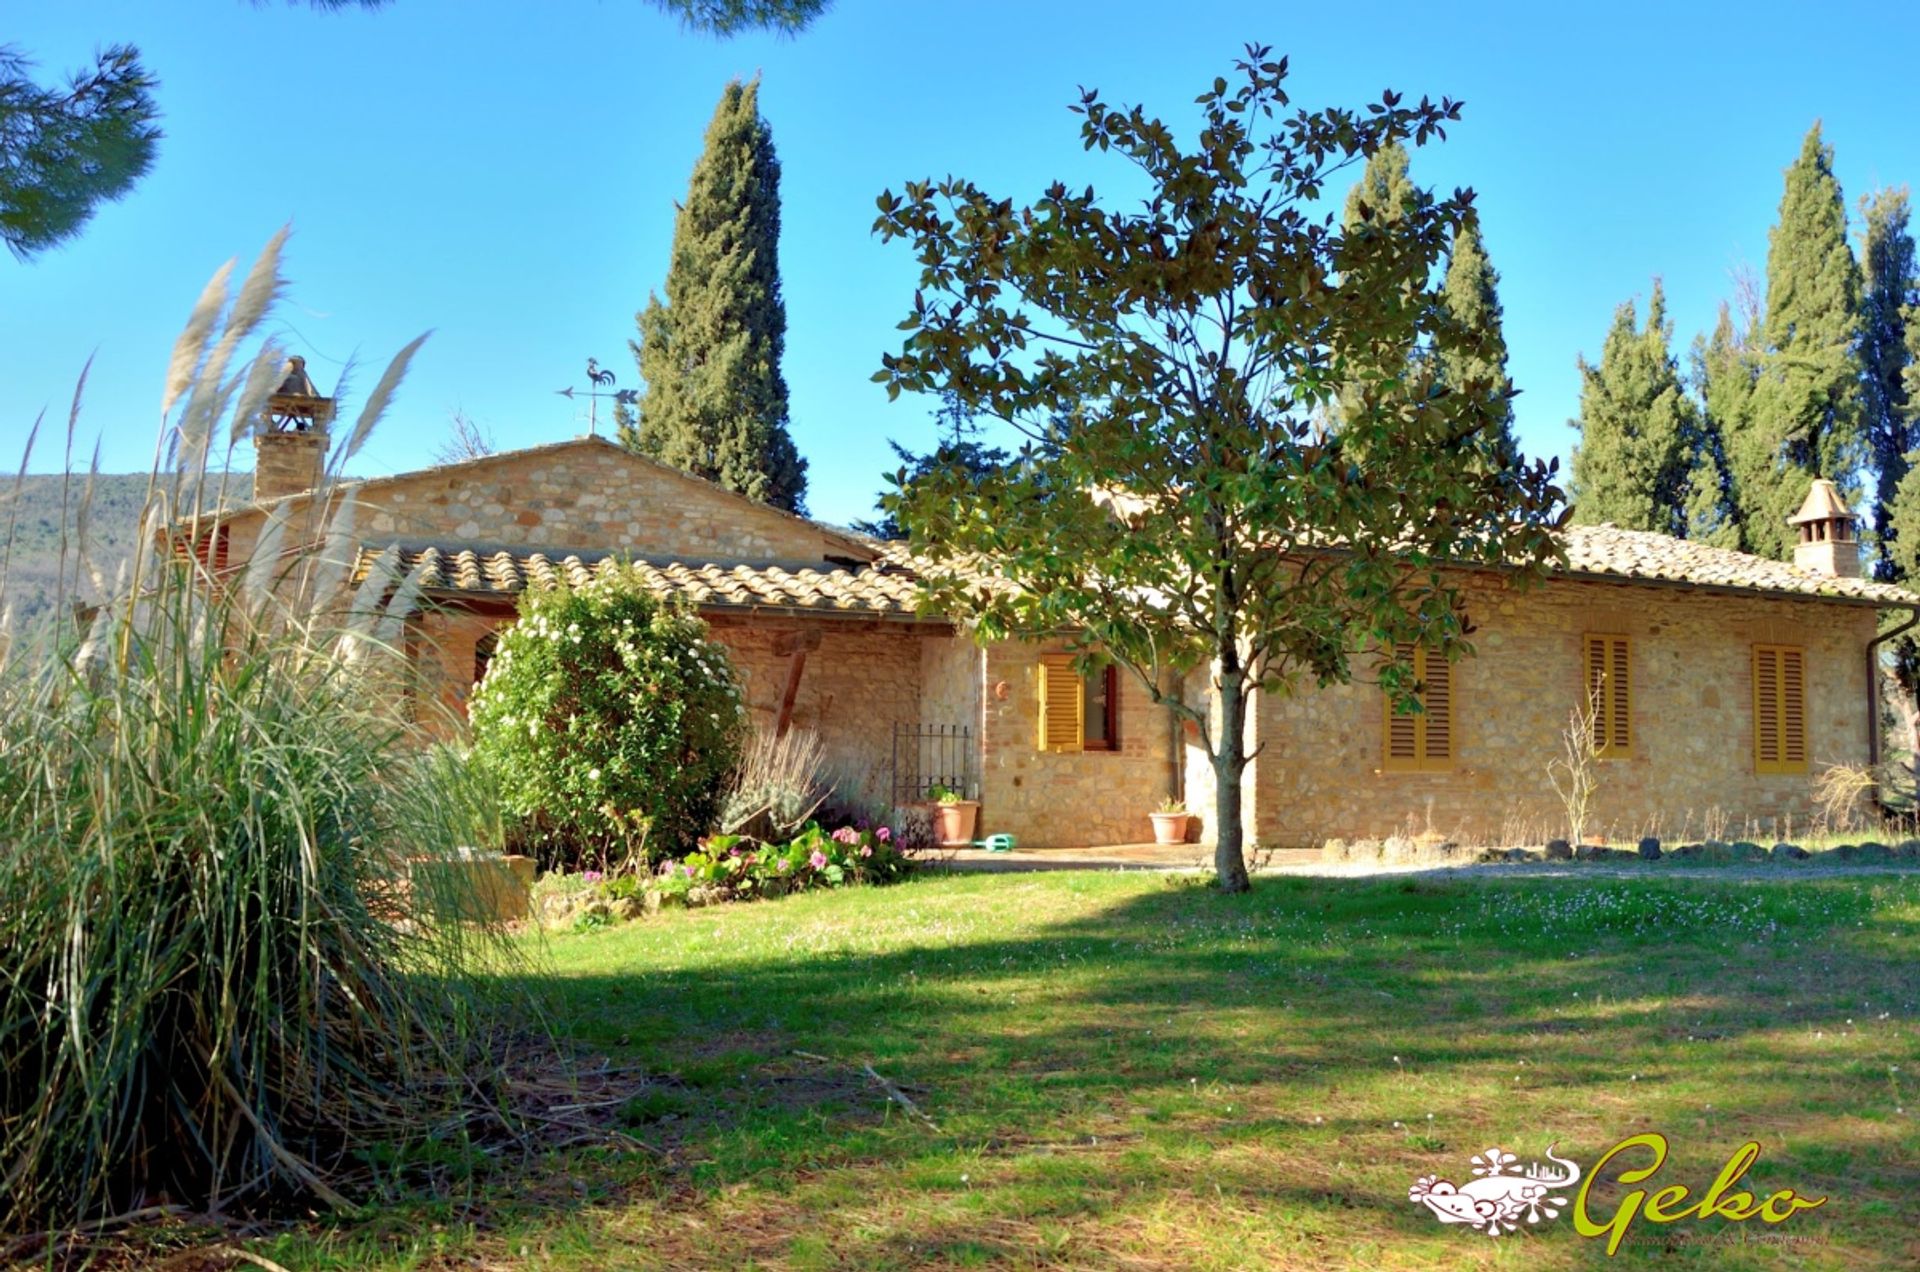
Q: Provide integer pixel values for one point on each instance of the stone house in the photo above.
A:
(1725, 683)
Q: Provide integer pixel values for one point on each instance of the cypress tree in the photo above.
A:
(1888, 295)
(1805, 417)
(1723, 374)
(1385, 189)
(1383, 196)
(1633, 465)
(715, 402)
(1471, 295)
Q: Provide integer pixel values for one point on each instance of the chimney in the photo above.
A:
(291, 444)
(1827, 543)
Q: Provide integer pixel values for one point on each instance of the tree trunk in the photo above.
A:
(1229, 762)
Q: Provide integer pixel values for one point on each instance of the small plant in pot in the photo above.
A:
(1170, 822)
(953, 817)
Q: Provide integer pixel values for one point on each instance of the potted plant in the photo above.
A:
(953, 817)
(1170, 822)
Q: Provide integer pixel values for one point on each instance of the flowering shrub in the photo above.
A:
(730, 868)
(743, 867)
(610, 722)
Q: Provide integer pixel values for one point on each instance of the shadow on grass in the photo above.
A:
(1293, 1057)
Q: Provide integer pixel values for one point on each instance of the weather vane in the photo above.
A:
(602, 388)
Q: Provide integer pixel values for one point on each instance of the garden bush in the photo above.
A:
(611, 723)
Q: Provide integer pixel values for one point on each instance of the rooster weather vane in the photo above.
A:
(602, 388)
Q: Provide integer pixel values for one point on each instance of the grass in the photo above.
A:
(1130, 1071)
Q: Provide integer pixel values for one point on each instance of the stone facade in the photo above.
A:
(1051, 799)
(1691, 771)
(855, 687)
(584, 494)
(1320, 775)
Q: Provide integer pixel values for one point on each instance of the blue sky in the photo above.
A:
(503, 172)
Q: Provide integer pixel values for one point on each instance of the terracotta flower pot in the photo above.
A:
(953, 822)
(1170, 828)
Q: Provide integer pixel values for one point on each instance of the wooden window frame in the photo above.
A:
(1785, 702)
(485, 645)
(1612, 711)
(1423, 760)
(1110, 681)
(1062, 728)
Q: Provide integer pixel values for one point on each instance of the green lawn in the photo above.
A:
(1132, 1072)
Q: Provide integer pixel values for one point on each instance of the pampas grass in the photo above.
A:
(224, 972)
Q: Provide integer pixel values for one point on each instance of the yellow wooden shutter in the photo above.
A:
(1436, 738)
(1423, 741)
(1610, 695)
(1779, 709)
(1062, 705)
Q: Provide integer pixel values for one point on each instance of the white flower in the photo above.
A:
(593, 775)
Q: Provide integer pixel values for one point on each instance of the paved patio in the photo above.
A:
(1120, 857)
(1309, 862)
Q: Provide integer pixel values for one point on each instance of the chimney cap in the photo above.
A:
(297, 406)
(1824, 503)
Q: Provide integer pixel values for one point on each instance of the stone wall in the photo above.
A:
(286, 463)
(854, 688)
(441, 645)
(1198, 787)
(1691, 773)
(1066, 800)
(588, 494)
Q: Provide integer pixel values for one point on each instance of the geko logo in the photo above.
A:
(1502, 1195)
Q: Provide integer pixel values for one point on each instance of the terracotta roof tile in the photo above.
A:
(888, 587)
(1639, 554)
(487, 570)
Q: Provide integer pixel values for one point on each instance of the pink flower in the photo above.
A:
(846, 835)
(866, 850)
(818, 861)
(782, 866)
(592, 876)
(883, 834)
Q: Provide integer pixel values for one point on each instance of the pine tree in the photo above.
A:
(1471, 295)
(1888, 295)
(716, 402)
(1805, 418)
(65, 151)
(958, 446)
(1633, 465)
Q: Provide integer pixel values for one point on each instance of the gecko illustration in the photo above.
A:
(1502, 1195)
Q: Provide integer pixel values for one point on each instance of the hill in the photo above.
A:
(35, 506)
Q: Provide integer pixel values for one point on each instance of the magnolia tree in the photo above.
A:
(1184, 500)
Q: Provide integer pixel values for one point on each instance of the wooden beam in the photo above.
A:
(786, 644)
(796, 665)
(726, 618)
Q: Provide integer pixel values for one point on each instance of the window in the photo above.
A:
(1078, 712)
(210, 549)
(1610, 696)
(1779, 709)
(1100, 690)
(483, 654)
(1423, 742)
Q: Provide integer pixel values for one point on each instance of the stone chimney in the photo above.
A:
(1828, 543)
(291, 442)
